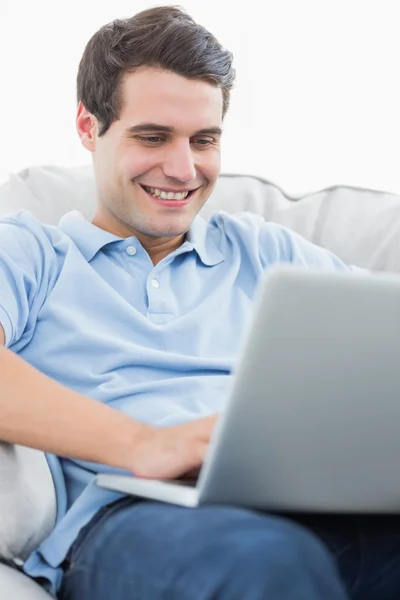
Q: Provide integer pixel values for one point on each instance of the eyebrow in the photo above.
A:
(154, 127)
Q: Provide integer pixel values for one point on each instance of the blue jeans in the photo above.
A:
(142, 550)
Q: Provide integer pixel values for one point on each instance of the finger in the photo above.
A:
(192, 474)
(201, 428)
(201, 452)
(208, 426)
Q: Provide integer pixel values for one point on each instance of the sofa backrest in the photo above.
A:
(359, 225)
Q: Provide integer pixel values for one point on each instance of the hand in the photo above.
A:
(172, 452)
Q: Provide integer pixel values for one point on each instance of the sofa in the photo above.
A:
(361, 226)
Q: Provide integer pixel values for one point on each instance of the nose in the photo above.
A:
(179, 161)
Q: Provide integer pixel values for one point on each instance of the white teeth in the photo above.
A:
(165, 195)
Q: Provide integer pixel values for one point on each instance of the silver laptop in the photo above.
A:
(312, 421)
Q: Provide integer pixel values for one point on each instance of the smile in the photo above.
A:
(166, 195)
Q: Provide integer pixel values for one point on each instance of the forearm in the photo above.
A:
(38, 412)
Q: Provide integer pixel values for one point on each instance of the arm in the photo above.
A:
(37, 411)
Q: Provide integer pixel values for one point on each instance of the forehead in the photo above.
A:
(165, 98)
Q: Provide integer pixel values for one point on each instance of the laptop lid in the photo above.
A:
(313, 423)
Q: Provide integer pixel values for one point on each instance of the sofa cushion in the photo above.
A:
(27, 501)
(16, 586)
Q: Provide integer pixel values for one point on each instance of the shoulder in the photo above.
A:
(235, 223)
(245, 222)
(30, 244)
(22, 227)
(272, 242)
(253, 230)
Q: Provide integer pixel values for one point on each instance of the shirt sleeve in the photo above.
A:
(279, 244)
(27, 259)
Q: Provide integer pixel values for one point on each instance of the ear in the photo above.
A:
(86, 125)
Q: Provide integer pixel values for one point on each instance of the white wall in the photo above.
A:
(316, 101)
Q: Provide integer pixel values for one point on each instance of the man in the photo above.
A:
(119, 337)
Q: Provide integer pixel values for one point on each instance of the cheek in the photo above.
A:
(134, 163)
(212, 168)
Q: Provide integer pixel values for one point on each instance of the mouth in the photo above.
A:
(170, 199)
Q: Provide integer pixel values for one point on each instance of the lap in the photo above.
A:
(366, 549)
(149, 545)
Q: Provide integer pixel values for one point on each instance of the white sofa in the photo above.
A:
(361, 226)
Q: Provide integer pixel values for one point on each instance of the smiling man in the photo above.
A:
(118, 337)
(158, 163)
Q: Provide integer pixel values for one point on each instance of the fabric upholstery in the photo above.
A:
(17, 586)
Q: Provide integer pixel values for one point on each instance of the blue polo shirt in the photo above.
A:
(90, 310)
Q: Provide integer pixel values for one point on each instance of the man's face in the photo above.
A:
(166, 140)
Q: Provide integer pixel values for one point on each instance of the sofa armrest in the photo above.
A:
(27, 501)
(17, 586)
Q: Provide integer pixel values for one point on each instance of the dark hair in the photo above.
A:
(164, 37)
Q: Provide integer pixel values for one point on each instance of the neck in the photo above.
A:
(165, 246)
(156, 247)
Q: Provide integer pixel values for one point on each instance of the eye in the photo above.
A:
(203, 141)
(150, 139)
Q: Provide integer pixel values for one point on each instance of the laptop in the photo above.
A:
(312, 419)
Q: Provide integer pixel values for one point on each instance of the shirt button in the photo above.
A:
(155, 283)
(131, 250)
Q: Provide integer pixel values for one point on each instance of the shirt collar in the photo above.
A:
(90, 239)
(200, 238)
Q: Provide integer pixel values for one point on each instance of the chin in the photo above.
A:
(172, 226)
(169, 233)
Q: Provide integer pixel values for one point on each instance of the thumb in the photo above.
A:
(206, 426)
